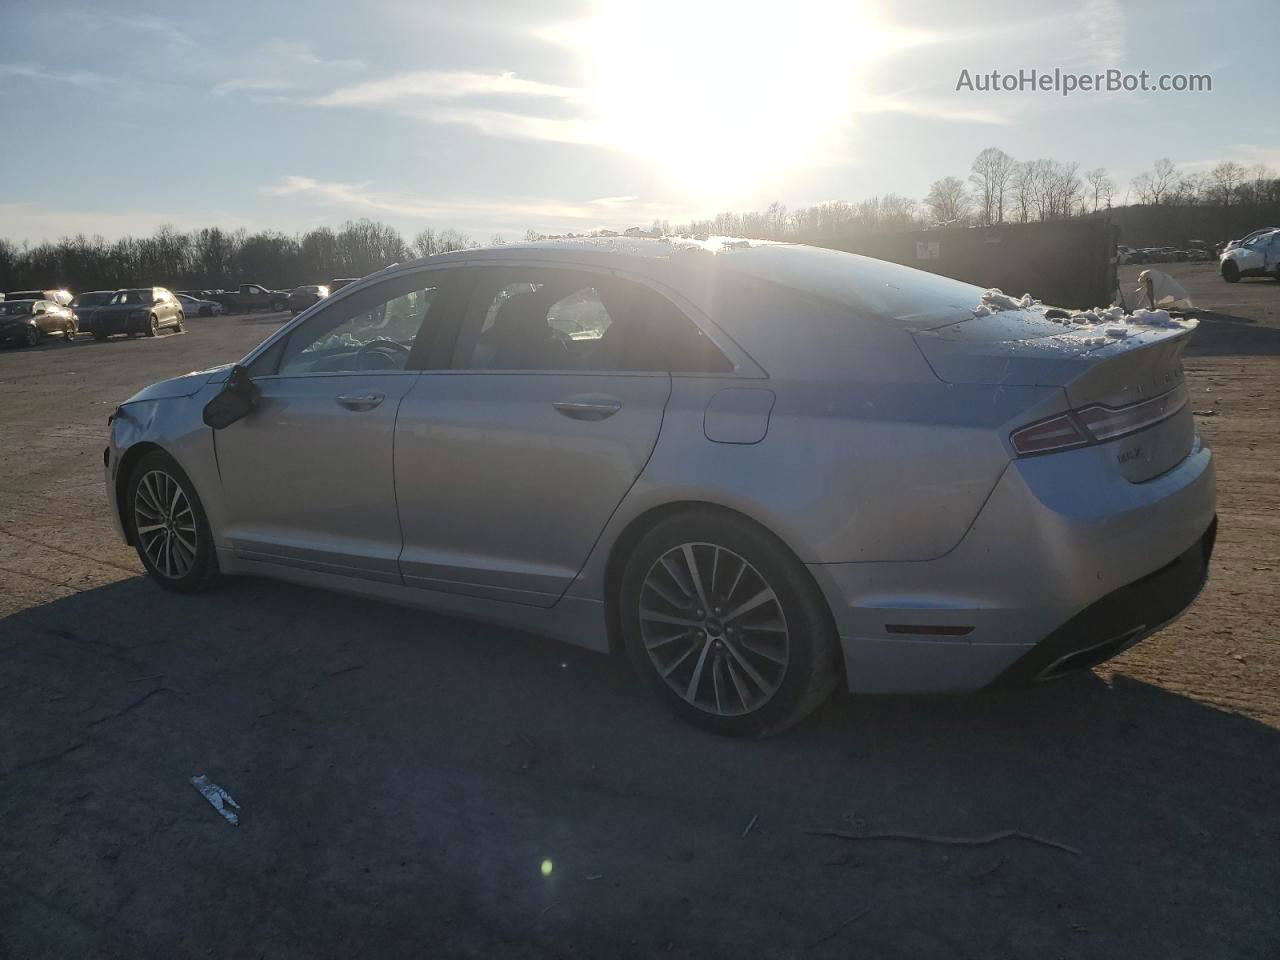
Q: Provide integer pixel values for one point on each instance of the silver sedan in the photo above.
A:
(758, 471)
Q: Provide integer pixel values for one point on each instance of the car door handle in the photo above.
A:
(588, 409)
(361, 401)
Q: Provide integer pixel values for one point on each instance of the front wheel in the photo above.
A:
(153, 326)
(279, 305)
(1230, 272)
(69, 334)
(32, 337)
(726, 625)
(168, 526)
(177, 326)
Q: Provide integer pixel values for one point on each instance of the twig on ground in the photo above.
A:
(856, 916)
(749, 826)
(554, 903)
(154, 676)
(950, 841)
(983, 874)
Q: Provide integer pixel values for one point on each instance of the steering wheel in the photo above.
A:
(380, 354)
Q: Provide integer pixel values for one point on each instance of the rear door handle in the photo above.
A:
(361, 401)
(587, 409)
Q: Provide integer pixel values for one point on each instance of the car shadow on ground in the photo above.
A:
(416, 785)
(1225, 335)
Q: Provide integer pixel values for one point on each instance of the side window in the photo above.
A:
(375, 330)
(547, 319)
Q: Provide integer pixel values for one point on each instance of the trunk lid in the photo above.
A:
(1023, 348)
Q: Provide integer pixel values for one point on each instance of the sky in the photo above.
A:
(495, 118)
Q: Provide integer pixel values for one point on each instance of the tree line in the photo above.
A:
(1160, 206)
(213, 258)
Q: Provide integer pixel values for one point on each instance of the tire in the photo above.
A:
(153, 326)
(69, 334)
(751, 675)
(279, 306)
(31, 337)
(177, 325)
(1230, 272)
(180, 556)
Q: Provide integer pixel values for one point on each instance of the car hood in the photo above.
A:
(186, 385)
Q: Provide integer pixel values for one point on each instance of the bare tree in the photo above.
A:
(947, 200)
(1101, 186)
(1227, 178)
(1155, 186)
(992, 175)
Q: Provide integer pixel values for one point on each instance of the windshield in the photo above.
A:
(91, 300)
(133, 297)
(15, 308)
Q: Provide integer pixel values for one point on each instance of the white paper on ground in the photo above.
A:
(218, 798)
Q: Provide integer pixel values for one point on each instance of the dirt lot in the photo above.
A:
(404, 778)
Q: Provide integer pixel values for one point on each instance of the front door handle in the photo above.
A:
(361, 401)
(587, 409)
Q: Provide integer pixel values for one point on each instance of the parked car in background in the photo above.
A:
(1257, 256)
(145, 310)
(61, 297)
(624, 448)
(336, 285)
(29, 321)
(86, 305)
(1126, 255)
(194, 306)
(302, 297)
(250, 297)
(1199, 250)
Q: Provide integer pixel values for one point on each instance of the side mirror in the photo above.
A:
(238, 397)
(38, 310)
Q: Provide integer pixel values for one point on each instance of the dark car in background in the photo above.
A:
(250, 297)
(305, 296)
(86, 305)
(140, 310)
(61, 297)
(29, 321)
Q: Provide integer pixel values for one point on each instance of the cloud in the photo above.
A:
(29, 71)
(503, 214)
(937, 109)
(440, 86)
(277, 67)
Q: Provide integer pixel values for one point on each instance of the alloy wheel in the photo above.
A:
(165, 524)
(714, 629)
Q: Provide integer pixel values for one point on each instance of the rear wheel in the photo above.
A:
(1230, 272)
(279, 305)
(726, 625)
(168, 526)
(177, 326)
(32, 336)
(69, 334)
(153, 326)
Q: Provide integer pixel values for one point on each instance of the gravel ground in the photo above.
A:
(413, 785)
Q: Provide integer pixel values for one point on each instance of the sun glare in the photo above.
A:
(724, 93)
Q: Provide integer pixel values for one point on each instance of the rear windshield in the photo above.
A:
(91, 300)
(133, 297)
(914, 297)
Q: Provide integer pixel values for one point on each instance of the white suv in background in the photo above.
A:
(1258, 255)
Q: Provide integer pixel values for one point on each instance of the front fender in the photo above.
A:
(174, 425)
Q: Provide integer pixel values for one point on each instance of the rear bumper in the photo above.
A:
(1119, 620)
(1063, 559)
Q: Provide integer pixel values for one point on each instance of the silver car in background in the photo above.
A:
(759, 471)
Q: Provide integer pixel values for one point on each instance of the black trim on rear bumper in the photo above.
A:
(1118, 620)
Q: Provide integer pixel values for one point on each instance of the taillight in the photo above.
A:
(1107, 424)
(1056, 433)
(1096, 424)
